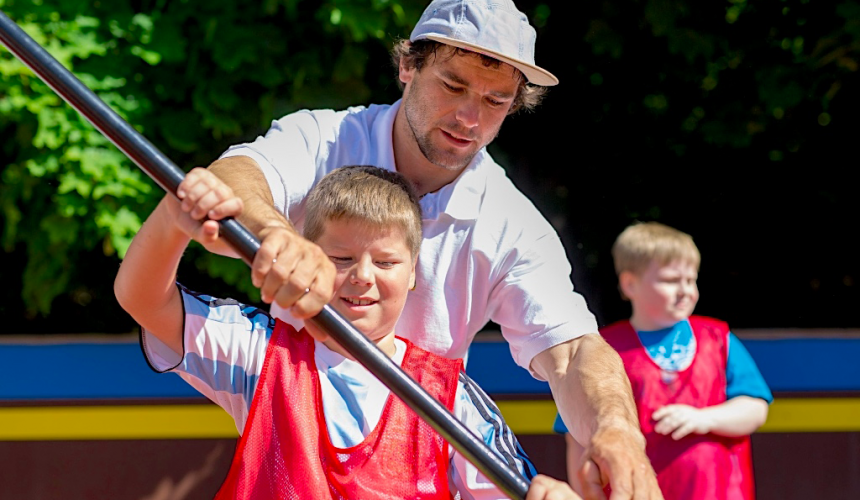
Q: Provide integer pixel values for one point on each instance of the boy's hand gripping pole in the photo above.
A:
(167, 175)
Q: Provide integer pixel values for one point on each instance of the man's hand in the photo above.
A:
(293, 272)
(681, 421)
(547, 488)
(594, 397)
(287, 264)
(617, 457)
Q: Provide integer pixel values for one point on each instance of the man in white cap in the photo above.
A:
(487, 254)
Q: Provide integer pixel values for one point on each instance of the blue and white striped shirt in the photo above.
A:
(225, 345)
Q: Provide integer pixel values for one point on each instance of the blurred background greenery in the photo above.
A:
(732, 120)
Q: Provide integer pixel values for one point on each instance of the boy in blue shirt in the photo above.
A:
(698, 392)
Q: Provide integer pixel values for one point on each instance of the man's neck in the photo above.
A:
(411, 162)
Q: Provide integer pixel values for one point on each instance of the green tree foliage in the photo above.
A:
(193, 76)
(709, 91)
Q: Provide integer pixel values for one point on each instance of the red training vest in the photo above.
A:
(697, 466)
(285, 451)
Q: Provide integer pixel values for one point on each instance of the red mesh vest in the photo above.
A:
(285, 451)
(709, 466)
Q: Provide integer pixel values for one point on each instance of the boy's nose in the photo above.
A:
(362, 274)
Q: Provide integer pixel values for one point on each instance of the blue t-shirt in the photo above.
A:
(674, 348)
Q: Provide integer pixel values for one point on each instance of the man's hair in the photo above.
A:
(642, 243)
(415, 55)
(374, 196)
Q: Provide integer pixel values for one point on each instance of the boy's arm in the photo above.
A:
(480, 414)
(739, 416)
(745, 410)
(574, 455)
(145, 284)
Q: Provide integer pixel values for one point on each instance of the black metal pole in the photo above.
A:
(168, 176)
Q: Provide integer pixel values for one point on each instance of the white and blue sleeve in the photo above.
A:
(480, 414)
(225, 345)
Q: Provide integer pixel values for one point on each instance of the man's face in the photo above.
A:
(455, 105)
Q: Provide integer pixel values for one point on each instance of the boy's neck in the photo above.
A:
(645, 324)
(386, 344)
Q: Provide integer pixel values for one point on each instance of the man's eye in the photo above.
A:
(339, 260)
(451, 87)
(385, 264)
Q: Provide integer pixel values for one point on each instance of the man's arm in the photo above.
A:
(594, 397)
(286, 264)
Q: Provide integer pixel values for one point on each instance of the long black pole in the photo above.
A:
(168, 176)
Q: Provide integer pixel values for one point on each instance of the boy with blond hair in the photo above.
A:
(698, 391)
(314, 423)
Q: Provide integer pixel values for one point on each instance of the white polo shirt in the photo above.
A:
(487, 253)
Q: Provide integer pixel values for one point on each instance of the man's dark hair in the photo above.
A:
(415, 55)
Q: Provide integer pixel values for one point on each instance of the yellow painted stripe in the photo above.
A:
(115, 422)
(785, 415)
(209, 421)
(813, 415)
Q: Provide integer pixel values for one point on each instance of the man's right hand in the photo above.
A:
(293, 272)
(286, 264)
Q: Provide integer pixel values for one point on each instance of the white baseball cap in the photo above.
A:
(495, 28)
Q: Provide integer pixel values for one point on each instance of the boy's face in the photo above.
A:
(375, 271)
(661, 295)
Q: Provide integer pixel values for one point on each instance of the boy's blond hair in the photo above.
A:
(642, 243)
(374, 196)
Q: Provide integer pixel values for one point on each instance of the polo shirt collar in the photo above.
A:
(460, 199)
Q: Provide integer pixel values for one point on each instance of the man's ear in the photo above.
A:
(406, 74)
(627, 283)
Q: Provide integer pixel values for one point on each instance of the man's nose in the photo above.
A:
(469, 113)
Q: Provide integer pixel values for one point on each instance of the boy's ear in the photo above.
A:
(412, 276)
(627, 282)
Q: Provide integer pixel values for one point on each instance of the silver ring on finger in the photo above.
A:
(307, 291)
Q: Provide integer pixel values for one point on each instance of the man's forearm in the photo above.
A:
(248, 183)
(590, 387)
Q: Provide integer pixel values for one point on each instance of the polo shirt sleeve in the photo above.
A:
(289, 155)
(535, 304)
(742, 375)
(224, 344)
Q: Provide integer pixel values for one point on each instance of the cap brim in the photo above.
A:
(534, 74)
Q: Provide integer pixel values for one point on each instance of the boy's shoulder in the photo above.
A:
(708, 323)
(698, 323)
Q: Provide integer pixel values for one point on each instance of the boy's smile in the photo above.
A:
(375, 270)
(662, 295)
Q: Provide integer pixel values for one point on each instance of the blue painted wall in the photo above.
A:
(92, 370)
